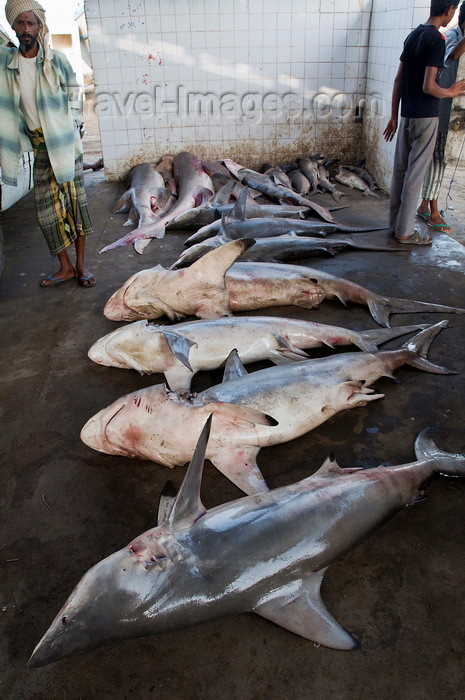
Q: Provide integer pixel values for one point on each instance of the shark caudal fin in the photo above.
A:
(447, 463)
(382, 307)
(419, 346)
(371, 339)
(298, 608)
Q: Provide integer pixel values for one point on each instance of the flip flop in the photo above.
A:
(88, 281)
(55, 280)
(445, 228)
(424, 215)
(416, 238)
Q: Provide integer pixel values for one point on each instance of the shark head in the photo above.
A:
(125, 347)
(129, 303)
(119, 428)
(142, 589)
(118, 598)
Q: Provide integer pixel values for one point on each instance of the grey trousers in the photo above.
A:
(414, 149)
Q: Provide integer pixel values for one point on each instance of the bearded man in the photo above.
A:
(41, 106)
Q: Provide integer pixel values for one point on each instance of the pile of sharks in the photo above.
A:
(198, 564)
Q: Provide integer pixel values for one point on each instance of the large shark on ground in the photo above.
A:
(266, 554)
(217, 286)
(182, 349)
(250, 411)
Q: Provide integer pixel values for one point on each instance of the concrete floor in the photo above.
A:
(65, 507)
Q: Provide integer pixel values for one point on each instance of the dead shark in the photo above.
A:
(195, 188)
(180, 350)
(217, 286)
(266, 554)
(250, 411)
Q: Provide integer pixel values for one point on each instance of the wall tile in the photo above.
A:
(149, 57)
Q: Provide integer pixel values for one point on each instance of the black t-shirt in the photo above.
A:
(423, 47)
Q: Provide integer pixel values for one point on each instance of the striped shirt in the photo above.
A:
(59, 108)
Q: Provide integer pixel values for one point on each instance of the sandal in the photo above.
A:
(424, 215)
(87, 280)
(54, 281)
(445, 228)
(416, 238)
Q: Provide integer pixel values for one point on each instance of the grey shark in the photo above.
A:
(266, 554)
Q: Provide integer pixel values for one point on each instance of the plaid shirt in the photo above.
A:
(59, 110)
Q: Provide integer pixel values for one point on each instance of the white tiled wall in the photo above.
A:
(281, 79)
(253, 80)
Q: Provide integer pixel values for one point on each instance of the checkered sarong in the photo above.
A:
(61, 208)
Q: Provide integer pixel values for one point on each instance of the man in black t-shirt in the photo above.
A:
(416, 89)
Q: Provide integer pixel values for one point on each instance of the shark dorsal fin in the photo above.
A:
(233, 367)
(330, 467)
(238, 210)
(188, 507)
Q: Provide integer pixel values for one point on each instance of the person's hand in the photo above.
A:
(458, 88)
(390, 130)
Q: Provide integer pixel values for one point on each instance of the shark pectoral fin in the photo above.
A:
(179, 378)
(304, 613)
(289, 351)
(240, 467)
(133, 218)
(179, 345)
(123, 203)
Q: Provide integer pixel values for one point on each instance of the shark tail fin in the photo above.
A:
(447, 463)
(371, 339)
(419, 346)
(382, 307)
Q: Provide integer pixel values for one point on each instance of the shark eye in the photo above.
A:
(64, 620)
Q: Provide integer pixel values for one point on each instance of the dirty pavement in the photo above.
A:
(63, 507)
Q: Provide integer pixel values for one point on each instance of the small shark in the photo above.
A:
(266, 554)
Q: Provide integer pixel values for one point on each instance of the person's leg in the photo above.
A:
(398, 172)
(86, 278)
(432, 182)
(83, 225)
(48, 206)
(421, 138)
